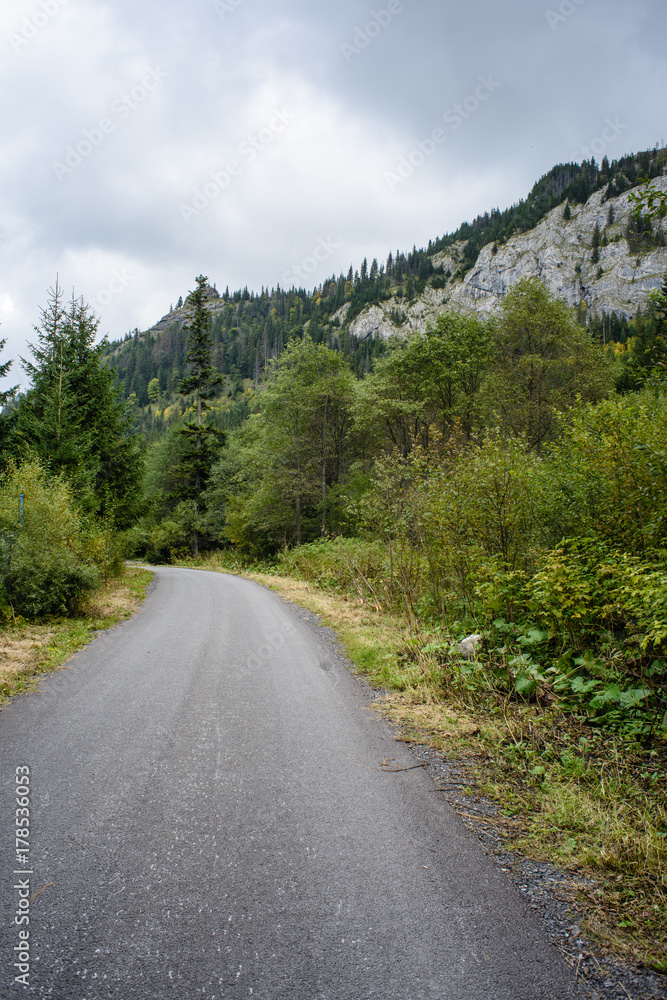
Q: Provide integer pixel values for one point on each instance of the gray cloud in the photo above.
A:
(359, 86)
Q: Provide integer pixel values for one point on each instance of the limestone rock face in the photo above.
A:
(558, 251)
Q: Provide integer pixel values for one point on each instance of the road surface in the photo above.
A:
(210, 818)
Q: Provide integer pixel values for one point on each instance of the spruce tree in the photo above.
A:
(595, 257)
(71, 418)
(7, 420)
(6, 394)
(202, 378)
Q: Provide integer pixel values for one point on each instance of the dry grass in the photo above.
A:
(564, 794)
(28, 650)
(430, 721)
(21, 649)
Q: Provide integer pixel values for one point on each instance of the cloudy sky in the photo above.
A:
(279, 141)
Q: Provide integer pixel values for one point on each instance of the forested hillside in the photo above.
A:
(249, 329)
(571, 183)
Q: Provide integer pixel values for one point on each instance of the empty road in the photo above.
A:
(209, 818)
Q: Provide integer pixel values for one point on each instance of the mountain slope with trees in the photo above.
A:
(609, 263)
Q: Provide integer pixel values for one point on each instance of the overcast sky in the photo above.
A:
(260, 141)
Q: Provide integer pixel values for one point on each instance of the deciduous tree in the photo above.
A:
(544, 362)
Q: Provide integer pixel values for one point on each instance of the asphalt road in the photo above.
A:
(210, 817)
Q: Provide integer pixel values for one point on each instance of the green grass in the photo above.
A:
(586, 799)
(29, 650)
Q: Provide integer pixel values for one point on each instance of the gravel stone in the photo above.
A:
(548, 890)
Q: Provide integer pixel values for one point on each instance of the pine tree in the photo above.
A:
(595, 258)
(71, 418)
(201, 379)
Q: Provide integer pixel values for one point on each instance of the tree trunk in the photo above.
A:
(298, 482)
(324, 468)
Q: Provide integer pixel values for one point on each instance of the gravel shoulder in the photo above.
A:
(555, 895)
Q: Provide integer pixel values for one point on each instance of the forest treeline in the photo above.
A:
(501, 476)
(72, 468)
(251, 329)
(504, 474)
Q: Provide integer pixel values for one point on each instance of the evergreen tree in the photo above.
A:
(6, 394)
(6, 422)
(71, 418)
(595, 257)
(201, 379)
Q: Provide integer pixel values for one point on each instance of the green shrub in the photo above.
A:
(45, 569)
(609, 473)
(342, 565)
(107, 548)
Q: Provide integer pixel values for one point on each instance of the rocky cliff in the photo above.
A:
(560, 251)
(617, 275)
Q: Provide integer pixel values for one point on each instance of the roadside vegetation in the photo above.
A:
(30, 648)
(498, 480)
(70, 486)
(502, 479)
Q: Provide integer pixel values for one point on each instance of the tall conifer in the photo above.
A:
(201, 379)
(71, 418)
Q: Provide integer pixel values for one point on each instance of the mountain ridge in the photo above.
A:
(593, 254)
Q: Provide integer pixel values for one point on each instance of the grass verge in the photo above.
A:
(30, 649)
(585, 799)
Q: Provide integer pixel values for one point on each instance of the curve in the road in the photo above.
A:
(211, 819)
